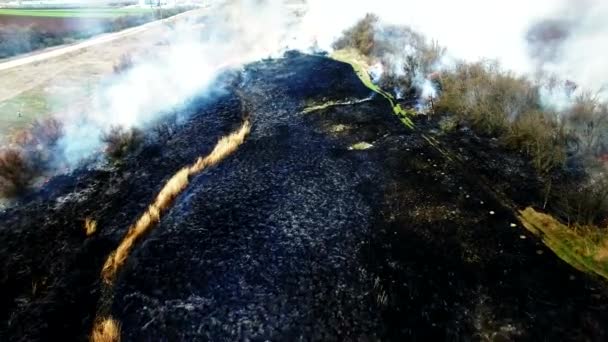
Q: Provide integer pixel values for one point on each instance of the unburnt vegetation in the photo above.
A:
(406, 56)
(32, 155)
(120, 142)
(27, 156)
(567, 145)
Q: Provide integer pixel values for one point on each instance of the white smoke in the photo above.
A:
(237, 33)
(242, 31)
(473, 30)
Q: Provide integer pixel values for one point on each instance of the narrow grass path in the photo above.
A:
(107, 329)
(360, 65)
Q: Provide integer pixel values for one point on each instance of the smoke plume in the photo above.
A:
(561, 38)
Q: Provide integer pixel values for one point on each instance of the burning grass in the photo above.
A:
(106, 330)
(225, 146)
(585, 248)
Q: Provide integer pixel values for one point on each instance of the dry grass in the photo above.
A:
(225, 146)
(106, 330)
(90, 226)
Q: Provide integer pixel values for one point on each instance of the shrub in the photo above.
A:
(539, 135)
(485, 96)
(37, 142)
(14, 40)
(46, 131)
(585, 204)
(448, 124)
(360, 36)
(588, 120)
(120, 142)
(406, 55)
(16, 175)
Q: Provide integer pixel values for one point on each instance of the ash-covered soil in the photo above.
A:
(298, 236)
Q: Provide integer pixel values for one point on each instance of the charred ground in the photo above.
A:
(298, 235)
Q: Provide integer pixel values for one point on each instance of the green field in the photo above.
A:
(75, 12)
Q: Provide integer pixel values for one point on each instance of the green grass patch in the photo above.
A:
(360, 66)
(361, 146)
(75, 13)
(22, 110)
(315, 107)
(587, 250)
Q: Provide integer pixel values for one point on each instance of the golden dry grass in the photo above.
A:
(106, 330)
(225, 146)
(90, 226)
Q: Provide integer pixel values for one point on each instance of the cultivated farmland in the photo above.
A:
(26, 30)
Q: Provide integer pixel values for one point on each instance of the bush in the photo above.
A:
(588, 120)
(406, 56)
(448, 124)
(540, 136)
(37, 142)
(360, 36)
(16, 175)
(585, 204)
(485, 96)
(120, 142)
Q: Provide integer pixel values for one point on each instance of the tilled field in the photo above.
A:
(55, 25)
(297, 235)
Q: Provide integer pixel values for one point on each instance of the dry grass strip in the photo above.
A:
(178, 183)
(106, 330)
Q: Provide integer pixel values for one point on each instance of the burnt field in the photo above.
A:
(297, 235)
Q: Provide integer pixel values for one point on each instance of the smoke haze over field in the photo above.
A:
(158, 82)
(566, 38)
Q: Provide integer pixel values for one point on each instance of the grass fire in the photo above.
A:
(303, 170)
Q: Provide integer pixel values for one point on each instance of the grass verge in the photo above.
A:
(585, 251)
(360, 66)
